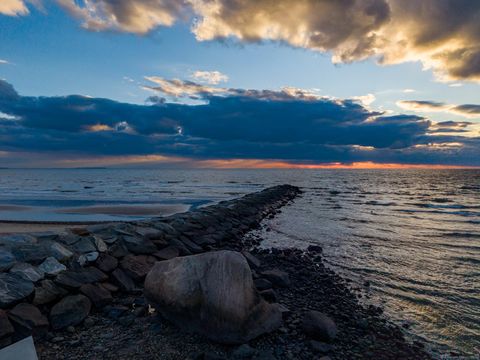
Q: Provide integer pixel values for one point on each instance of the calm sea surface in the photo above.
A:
(414, 235)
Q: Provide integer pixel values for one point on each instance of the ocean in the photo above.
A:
(408, 239)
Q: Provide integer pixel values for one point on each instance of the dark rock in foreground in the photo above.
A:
(319, 326)
(211, 294)
(70, 311)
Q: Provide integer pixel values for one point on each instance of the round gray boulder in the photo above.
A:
(212, 294)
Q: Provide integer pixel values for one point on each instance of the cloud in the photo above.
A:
(13, 7)
(4, 61)
(210, 77)
(466, 110)
(444, 35)
(288, 125)
(135, 16)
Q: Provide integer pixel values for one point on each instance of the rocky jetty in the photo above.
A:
(81, 293)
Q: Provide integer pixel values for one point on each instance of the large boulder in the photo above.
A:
(212, 294)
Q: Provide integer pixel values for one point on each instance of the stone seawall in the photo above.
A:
(53, 281)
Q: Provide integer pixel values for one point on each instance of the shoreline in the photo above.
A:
(113, 331)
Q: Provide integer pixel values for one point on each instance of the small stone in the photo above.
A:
(277, 277)
(139, 311)
(89, 322)
(244, 351)
(58, 339)
(70, 329)
(70, 311)
(28, 320)
(314, 249)
(320, 347)
(27, 271)
(51, 266)
(319, 326)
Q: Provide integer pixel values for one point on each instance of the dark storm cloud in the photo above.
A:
(285, 125)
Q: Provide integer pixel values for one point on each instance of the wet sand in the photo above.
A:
(23, 227)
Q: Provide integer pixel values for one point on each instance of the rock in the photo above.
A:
(100, 244)
(139, 245)
(84, 245)
(262, 284)
(149, 233)
(97, 294)
(28, 320)
(6, 328)
(6, 260)
(13, 288)
(269, 295)
(320, 347)
(51, 266)
(264, 355)
(118, 250)
(244, 351)
(315, 249)
(89, 322)
(212, 294)
(88, 258)
(27, 271)
(107, 263)
(60, 252)
(137, 266)
(252, 260)
(115, 312)
(123, 280)
(17, 239)
(75, 278)
(33, 254)
(194, 248)
(319, 326)
(109, 287)
(277, 277)
(47, 292)
(167, 253)
(70, 311)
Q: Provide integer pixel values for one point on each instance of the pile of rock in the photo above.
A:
(53, 281)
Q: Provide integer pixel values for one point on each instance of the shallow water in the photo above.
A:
(413, 234)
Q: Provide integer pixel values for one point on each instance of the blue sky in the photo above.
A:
(48, 53)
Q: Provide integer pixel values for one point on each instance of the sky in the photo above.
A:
(240, 83)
